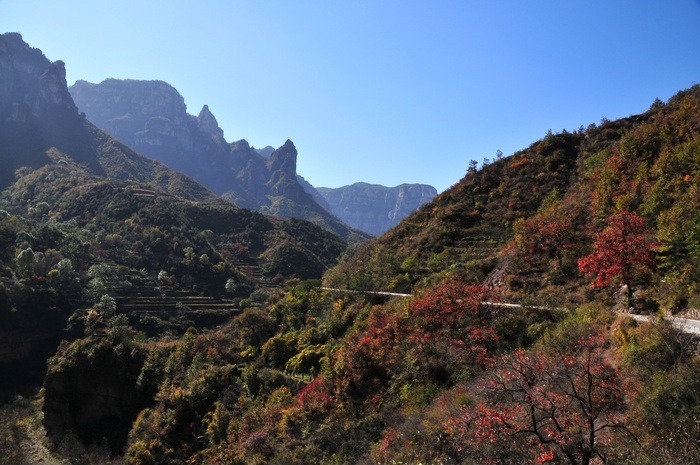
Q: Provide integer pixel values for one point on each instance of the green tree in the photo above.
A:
(25, 262)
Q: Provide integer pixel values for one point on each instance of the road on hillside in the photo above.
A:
(684, 325)
(352, 291)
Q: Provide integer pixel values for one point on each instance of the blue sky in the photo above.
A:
(382, 91)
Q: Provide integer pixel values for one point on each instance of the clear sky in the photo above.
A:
(382, 91)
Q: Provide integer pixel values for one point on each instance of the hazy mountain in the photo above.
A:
(151, 117)
(373, 208)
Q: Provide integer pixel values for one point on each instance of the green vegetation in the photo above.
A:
(575, 228)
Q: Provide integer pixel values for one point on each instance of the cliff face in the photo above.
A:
(151, 118)
(373, 208)
(36, 110)
(37, 113)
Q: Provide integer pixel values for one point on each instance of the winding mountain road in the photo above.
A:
(685, 325)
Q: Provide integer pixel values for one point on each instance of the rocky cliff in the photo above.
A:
(375, 209)
(151, 117)
(37, 113)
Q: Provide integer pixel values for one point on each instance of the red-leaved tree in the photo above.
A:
(368, 359)
(558, 405)
(621, 253)
(450, 328)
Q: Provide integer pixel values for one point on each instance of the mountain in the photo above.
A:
(151, 118)
(375, 209)
(38, 113)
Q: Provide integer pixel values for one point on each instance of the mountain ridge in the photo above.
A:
(151, 117)
(37, 113)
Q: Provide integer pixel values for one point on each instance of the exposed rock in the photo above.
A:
(373, 208)
(266, 151)
(36, 110)
(92, 390)
(314, 193)
(207, 123)
(37, 113)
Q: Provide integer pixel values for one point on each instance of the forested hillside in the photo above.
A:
(523, 222)
(579, 228)
(164, 329)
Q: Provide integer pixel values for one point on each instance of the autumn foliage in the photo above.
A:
(545, 406)
(621, 251)
(450, 327)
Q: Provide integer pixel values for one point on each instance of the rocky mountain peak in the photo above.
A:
(240, 145)
(284, 160)
(36, 110)
(266, 151)
(128, 104)
(207, 123)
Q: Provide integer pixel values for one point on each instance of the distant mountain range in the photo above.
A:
(374, 208)
(151, 117)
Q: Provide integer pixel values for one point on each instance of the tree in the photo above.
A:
(230, 285)
(554, 405)
(25, 262)
(451, 328)
(549, 236)
(369, 359)
(621, 252)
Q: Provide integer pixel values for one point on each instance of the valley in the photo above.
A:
(527, 314)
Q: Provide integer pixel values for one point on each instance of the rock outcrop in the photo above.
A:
(92, 389)
(36, 110)
(375, 209)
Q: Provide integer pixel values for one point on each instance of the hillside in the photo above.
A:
(168, 330)
(151, 117)
(551, 198)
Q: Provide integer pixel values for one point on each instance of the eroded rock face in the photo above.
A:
(92, 390)
(207, 123)
(373, 208)
(151, 117)
(37, 114)
(36, 110)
